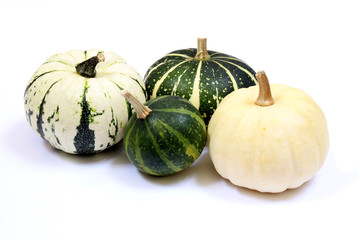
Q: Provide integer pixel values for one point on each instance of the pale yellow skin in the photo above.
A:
(269, 149)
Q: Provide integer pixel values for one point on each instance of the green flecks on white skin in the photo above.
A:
(67, 94)
(159, 151)
(69, 113)
(230, 75)
(162, 79)
(195, 96)
(106, 110)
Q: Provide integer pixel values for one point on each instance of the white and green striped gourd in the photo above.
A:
(73, 100)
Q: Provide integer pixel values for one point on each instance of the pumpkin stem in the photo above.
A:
(141, 110)
(265, 98)
(87, 68)
(202, 52)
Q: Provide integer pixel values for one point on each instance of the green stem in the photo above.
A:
(87, 68)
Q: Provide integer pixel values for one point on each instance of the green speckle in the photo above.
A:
(94, 113)
(113, 125)
(84, 140)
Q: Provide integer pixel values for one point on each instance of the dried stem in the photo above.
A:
(265, 98)
(202, 52)
(141, 110)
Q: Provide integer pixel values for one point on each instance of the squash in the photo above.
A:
(271, 144)
(201, 76)
(73, 100)
(165, 136)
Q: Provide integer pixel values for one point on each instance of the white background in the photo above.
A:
(47, 194)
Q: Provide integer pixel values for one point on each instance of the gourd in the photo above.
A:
(271, 144)
(73, 100)
(201, 76)
(165, 136)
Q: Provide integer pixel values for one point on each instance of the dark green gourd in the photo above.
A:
(166, 135)
(201, 76)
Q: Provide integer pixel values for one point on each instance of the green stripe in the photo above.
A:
(191, 150)
(243, 69)
(128, 105)
(134, 79)
(37, 77)
(182, 111)
(58, 61)
(138, 156)
(113, 63)
(161, 80)
(144, 90)
(84, 140)
(235, 86)
(113, 122)
(230, 58)
(128, 132)
(216, 53)
(76, 60)
(40, 121)
(177, 83)
(153, 101)
(129, 109)
(153, 69)
(128, 76)
(178, 55)
(158, 150)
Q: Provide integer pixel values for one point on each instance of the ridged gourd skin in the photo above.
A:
(81, 115)
(271, 148)
(204, 82)
(168, 140)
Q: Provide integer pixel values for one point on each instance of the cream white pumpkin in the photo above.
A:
(73, 100)
(271, 144)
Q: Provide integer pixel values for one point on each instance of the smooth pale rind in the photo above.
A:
(60, 104)
(269, 149)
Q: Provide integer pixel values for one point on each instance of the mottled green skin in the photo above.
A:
(168, 140)
(215, 82)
